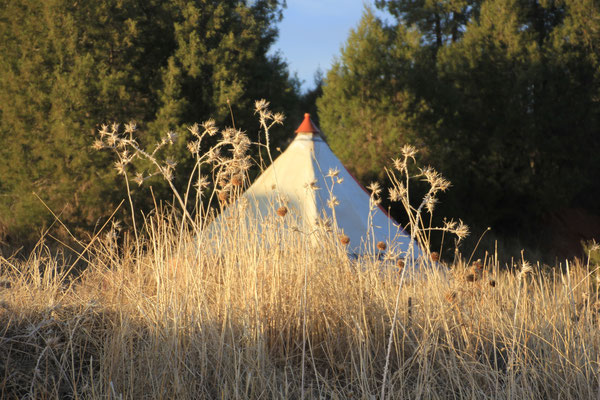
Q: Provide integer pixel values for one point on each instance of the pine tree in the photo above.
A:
(367, 110)
(440, 21)
(67, 67)
(502, 96)
(520, 115)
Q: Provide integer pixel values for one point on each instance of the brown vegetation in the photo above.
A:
(284, 322)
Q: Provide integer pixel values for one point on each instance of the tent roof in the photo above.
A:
(315, 187)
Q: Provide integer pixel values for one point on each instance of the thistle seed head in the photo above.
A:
(261, 105)
(332, 202)
(139, 178)
(120, 166)
(202, 183)
(98, 144)
(395, 195)
(435, 180)
(194, 147)
(236, 180)
(333, 172)
(374, 188)
(430, 203)
(210, 127)
(223, 196)
(409, 151)
(130, 127)
(168, 174)
(344, 239)
(399, 164)
(278, 118)
(194, 130)
(462, 230)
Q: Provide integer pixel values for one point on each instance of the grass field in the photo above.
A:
(168, 311)
(284, 322)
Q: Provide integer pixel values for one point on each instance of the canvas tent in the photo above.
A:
(307, 179)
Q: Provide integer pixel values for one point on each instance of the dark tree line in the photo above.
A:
(501, 96)
(68, 66)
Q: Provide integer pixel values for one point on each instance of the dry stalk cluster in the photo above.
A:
(269, 315)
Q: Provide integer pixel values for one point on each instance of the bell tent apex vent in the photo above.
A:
(307, 126)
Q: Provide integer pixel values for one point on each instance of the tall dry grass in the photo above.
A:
(173, 312)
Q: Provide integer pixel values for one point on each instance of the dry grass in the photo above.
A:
(264, 313)
(257, 322)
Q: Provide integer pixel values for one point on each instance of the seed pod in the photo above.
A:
(400, 265)
(282, 211)
(345, 240)
(381, 246)
(236, 180)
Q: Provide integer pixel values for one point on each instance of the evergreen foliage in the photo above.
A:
(366, 110)
(66, 67)
(503, 96)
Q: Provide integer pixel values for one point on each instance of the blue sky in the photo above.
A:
(313, 31)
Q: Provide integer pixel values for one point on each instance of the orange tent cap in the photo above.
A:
(307, 126)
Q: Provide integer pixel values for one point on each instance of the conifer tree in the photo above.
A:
(501, 95)
(520, 112)
(367, 110)
(67, 67)
(440, 21)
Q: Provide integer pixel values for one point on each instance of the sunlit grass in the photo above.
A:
(181, 310)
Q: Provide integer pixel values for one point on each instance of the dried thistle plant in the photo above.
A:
(228, 159)
(400, 178)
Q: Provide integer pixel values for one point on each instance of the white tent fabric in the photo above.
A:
(307, 178)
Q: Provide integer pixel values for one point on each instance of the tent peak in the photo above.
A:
(307, 126)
